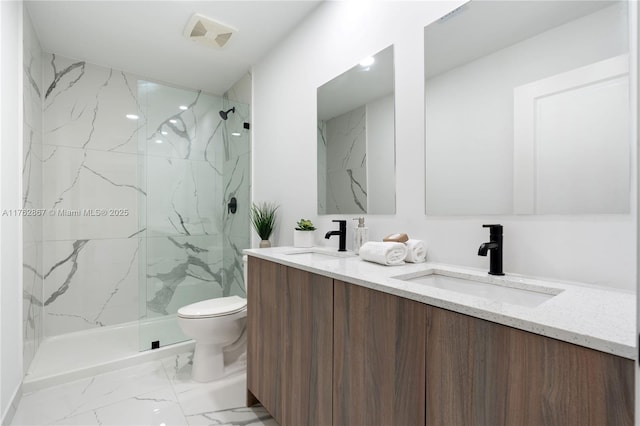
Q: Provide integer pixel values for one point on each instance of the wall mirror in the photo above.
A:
(356, 139)
(527, 109)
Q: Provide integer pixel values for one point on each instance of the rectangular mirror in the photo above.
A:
(356, 139)
(527, 109)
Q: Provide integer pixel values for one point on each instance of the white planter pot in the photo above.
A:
(303, 238)
(265, 243)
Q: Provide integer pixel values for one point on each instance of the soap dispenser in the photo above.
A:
(360, 235)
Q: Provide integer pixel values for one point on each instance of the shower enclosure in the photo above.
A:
(136, 179)
(194, 165)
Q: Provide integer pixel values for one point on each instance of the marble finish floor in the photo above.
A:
(154, 393)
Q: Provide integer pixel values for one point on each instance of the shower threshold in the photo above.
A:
(73, 356)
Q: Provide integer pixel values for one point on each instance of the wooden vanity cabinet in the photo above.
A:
(378, 363)
(289, 343)
(308, 349)
(265, 335)
(482, 373)
(322, 352)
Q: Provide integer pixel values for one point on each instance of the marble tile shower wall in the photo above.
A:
(90, 162)
(194, 166)
(128, 209)
(32, 193)
(322, 167)
(183, 184)
(346, 159)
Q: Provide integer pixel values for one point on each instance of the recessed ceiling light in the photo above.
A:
(164, 133)
(172, 121)
(236, 134)
(366, 62)
(132, 116)
(183, 107)
(158, 141)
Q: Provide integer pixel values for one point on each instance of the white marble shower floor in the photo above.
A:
(77, 355)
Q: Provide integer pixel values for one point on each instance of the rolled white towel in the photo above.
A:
(385, 253)
(416, 251)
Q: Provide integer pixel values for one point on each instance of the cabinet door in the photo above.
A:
(379, 363)
(264, 334)
(482, 373)
(308, 349)
(289, 343)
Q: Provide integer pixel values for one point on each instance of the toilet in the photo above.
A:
(213, 324)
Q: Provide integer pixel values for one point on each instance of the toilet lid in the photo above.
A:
(213, 307)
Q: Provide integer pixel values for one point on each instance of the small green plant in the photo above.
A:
(263, 218)
(305, 225)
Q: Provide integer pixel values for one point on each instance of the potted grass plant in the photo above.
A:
(304, 234)
(263, 219)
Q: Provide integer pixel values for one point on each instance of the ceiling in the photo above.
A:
(481, 27)
(146, 37)
(357, 86)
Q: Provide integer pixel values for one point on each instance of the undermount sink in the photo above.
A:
(500, 289)
(318, 253)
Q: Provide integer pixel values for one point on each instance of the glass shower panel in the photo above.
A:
(183, 156)
(237, 184)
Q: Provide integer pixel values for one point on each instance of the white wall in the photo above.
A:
(634, 66)
(10, 198)
(470, 166)
(590, 249)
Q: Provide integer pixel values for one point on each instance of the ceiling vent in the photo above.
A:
(207, 31)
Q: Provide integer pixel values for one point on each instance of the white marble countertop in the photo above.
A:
(595, 317)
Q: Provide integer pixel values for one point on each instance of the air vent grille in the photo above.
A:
(207, 31)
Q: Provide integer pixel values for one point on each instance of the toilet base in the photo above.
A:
(208, 362)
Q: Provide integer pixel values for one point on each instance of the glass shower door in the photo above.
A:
(237, 185)
(185, 159)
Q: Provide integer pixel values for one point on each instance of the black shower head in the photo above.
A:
(225, 114)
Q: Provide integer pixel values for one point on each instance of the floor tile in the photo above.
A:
(155, 408)
(238, 416)
(52, 404)
(196, 397)
(154, 393)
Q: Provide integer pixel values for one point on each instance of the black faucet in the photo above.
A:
(342, 233)
(495, 246)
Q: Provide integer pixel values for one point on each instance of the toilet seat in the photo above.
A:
(212, 308)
